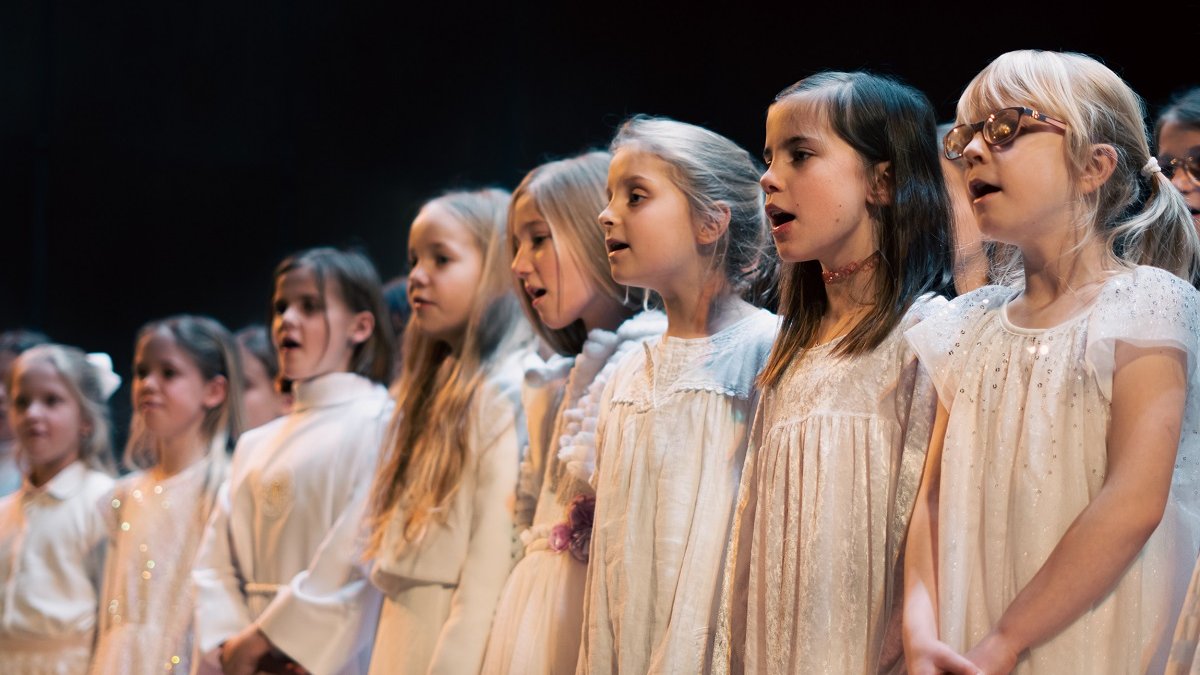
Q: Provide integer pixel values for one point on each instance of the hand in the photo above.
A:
(994, 655)
(240, 654)
(934, 657)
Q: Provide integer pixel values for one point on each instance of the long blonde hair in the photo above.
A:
(569, 194)
(422, 462)
(1140, 216)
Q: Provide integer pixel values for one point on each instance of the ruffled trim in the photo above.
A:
(594, 367)
(538, 373)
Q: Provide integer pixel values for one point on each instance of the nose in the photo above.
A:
(768, 181)
(607, 218)
(417, 276)
(521, 265)
(973, 153)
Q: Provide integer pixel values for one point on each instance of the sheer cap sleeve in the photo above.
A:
(941, 339)
(1148, 308)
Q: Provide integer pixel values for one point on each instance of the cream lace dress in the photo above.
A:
(829, 485)
(670, 446)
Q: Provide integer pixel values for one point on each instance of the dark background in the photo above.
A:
(161, 157)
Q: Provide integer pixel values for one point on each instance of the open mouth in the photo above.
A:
(289, 343)
(534, 293)
(778, 216)
(981, 189)
(614, 245)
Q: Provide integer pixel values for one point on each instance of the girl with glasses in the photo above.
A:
(1058, 518)
(1177, 135)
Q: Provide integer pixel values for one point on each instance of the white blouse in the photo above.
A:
(282, 549)
(51, 560)
(670, 446)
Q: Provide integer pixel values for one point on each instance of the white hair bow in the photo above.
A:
(109, 380)
(1151, 167)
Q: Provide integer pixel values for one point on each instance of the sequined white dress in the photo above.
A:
(833, 469)
(1025, 453)
(146, 608)
(671, 442)
(52, 543)
(540, 615)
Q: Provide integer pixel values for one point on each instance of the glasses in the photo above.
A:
(1190, 163)
(999, 128)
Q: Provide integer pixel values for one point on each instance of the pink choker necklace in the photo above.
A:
(840, 275)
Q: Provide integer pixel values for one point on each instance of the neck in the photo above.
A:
(971, 270)
(179, 453)
(850, 295)
(1052, 274)
(607, 315)
(704, 310)
(42, 474)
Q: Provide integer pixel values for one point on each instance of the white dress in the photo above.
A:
(154, 529)
(440, 591)
(671, 442)
(1025, 453)
(540, 614)
(282, 549)
(51, 560)
(830, 480)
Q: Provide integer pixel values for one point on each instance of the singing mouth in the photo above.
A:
(778, 216)
(614, 245)
(534, 292)
(980, 189)
(288, 343)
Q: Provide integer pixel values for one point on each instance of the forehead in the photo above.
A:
(37, 374)
(1178, 138)
(797, 116)
(633, 161)
(435, 225)
(525, 210)
(158, 345)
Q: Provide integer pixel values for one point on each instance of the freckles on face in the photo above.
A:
(650, 233)
(446, 270)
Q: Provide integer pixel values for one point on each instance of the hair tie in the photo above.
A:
(1151, 167)
(109, 380)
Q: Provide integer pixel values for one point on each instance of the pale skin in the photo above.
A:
(670, 251)
(329, 351)
(1149, 392)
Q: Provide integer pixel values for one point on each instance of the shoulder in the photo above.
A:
(96, 483)
(1149, 285)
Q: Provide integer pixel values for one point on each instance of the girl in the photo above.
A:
(441, 506)
(186, 397)
(1177, 137)
(1056, 522)
(861, 220)
(685, 220)
(262, 398)
(277, 579)
(51, 531)
(561, 268)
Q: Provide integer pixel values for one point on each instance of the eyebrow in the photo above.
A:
(790, 141)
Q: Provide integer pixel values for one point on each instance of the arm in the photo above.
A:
(464, 635)
(1149, 392)
(924, 653)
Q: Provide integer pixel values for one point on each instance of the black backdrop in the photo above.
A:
(161, 157)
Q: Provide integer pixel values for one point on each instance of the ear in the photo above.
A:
(361, 327)
(1099, 168)
(712, 229)
(215, 391)
(882, 184)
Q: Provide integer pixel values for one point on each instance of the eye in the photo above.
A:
(539, 239)
(21, 402)
(441, 260)
(53, 400)
(169, 373)
(141, 372)
(799, 155)
(280, 306)
(309, 306)
(635, 198)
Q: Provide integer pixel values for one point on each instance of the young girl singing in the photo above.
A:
(1057, 518)
(278, 580)
(52, 534)
(561, 267)
(685, 220)
(441, 519)
(860, 218)
(186, 397)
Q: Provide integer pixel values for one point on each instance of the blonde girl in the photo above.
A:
(441, 522)
(52, 532)
(1057, 518)
(685, 220)
(560, 266)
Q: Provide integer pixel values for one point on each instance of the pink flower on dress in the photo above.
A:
(575, 533)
